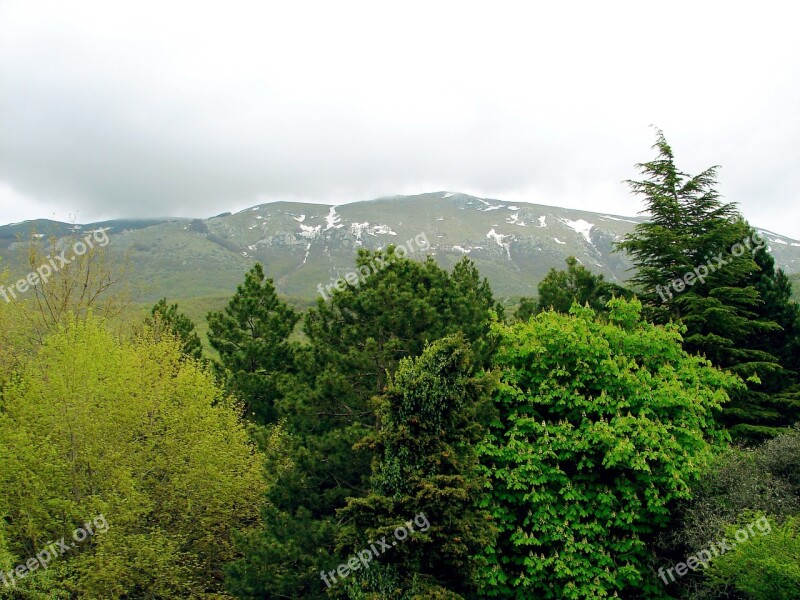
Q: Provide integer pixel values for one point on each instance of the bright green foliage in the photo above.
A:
(601, 427)
(132, 431)
(356, 341)
(690, 227)
(764, 567)
(425, 462)
(560, 289)
(251, 335)
(178, 325)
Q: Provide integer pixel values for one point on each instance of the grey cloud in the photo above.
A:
(105, 120)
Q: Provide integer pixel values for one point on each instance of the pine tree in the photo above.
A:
(178, 325)
(251, 335)
(355, 343)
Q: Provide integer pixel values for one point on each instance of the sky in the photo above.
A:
(150, 109)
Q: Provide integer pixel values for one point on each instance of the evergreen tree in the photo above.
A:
(775, 290)
(526, 308)
(425, 464)
(251, 335)
(178, 325)
(695, 263)
(559, 289)
(356, 341)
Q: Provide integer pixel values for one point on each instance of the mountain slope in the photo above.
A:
(303, 245)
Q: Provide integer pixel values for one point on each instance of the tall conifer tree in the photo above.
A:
(695, 261)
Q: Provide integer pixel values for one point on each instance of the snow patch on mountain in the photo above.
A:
(514, 220)
(498, 238)
(489, 206)
(309, 232)
(299, 219)
(542, 221)
(333, 220)
(558, 241)
(358, 229)
(579, 226)
(383, 230)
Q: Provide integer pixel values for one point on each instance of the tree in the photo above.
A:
(775, 290)
(560, 289)
(425, 464)
(15, 337)
(602, 426)
(251, 335)
(526, 308)
(178, 325)
(694, 263)
(74, 276)
(130, 431)
(355, 343)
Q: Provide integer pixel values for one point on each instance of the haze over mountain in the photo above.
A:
(514, 244)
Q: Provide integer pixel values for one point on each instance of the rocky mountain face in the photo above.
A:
(305, 245)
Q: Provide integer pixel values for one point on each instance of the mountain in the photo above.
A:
(304, 245)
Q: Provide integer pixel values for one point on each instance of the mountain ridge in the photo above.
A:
(303, 244)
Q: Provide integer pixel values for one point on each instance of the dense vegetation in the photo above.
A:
(405, 439)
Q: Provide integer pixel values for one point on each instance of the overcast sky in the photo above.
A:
(133, 109)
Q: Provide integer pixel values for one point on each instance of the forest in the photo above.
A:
(412, 437)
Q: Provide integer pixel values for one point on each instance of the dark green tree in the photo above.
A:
(526, 308)
(775, 290)
(251, 335)
(695, 263)
(166, 316)
(559, 289)
(425, 464)
(355, 342)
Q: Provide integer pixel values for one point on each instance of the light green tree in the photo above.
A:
(129, 430)
(601, 427)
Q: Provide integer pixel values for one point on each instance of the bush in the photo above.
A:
(765, 567)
